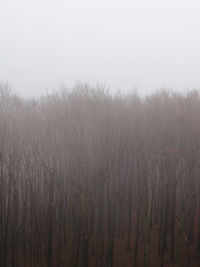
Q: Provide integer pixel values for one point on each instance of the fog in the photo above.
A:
(123, 44)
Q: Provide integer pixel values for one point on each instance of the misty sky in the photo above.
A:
(142, 44)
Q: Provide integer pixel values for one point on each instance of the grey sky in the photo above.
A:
(146, 44)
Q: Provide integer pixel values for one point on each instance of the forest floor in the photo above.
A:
(125, 258)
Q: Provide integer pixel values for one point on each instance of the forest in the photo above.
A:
(94, 179)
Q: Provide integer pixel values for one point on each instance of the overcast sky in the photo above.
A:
(145, 44)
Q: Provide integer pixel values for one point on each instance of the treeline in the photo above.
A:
(82, 169)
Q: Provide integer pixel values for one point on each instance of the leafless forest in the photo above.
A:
(88, 179)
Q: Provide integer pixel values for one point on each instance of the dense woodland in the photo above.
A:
(91, 179)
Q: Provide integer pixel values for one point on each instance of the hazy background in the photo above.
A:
(143, 44)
